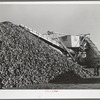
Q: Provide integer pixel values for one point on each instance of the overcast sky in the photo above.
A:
(62, 18)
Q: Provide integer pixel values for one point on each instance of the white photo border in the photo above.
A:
(55, 93)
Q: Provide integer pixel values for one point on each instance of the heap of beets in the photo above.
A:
(25, 59)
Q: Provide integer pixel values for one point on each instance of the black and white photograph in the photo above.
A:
(49, 46)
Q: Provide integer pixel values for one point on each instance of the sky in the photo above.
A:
(61, 18)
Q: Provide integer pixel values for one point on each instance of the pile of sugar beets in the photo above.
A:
(25, 59)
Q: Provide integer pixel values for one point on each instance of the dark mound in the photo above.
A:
(25, 59)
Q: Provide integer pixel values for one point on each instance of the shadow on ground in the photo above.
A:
(72, 78)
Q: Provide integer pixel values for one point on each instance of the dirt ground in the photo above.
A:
(63, 86)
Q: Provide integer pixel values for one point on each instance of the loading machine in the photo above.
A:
(78, 48)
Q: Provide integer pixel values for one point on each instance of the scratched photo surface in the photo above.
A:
(50, 46)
